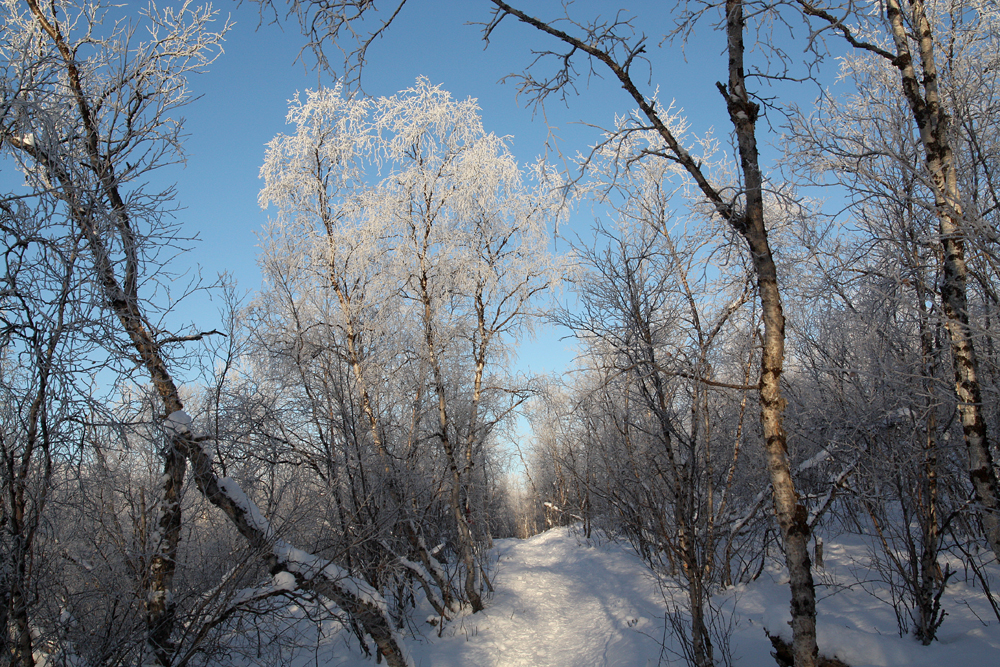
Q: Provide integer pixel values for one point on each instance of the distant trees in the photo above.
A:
(653, 450)
(37, 368)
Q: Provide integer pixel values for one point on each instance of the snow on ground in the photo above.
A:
(564, 601)
(559, 602)
(855, 623)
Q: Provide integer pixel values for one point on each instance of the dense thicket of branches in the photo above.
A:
(753, 372)
(888, 404)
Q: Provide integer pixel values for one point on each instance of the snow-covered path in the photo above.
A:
(561, 604)
(562, 601)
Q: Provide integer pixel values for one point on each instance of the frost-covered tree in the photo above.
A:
(937, 57)
(89, 104)
(406, 259)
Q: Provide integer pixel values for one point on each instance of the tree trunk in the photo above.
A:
(932, 121)
(160, 611)
(791, 514)
(18, 629)
(463, 533)
(927, 504)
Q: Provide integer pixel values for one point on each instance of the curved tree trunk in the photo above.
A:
(362, 602)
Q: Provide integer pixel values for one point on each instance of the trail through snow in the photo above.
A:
(559, 602)
(564, 601)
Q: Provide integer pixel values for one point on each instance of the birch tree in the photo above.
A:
(928, 53)
(421, 232)
(323, 321)
(88, 110)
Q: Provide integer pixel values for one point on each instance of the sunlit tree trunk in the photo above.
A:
(932, 121)
(455, 468)
(791, 514)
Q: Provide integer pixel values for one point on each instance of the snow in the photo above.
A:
(252, 513)
(356, 587)
(559, 601)
(284, 581)
(308, 565)
(177, 422)
(564, 601)
(856, 626)
(815, 460)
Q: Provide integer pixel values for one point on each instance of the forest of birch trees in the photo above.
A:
(768, 350)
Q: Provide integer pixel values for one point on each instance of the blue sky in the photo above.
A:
(243, 101)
